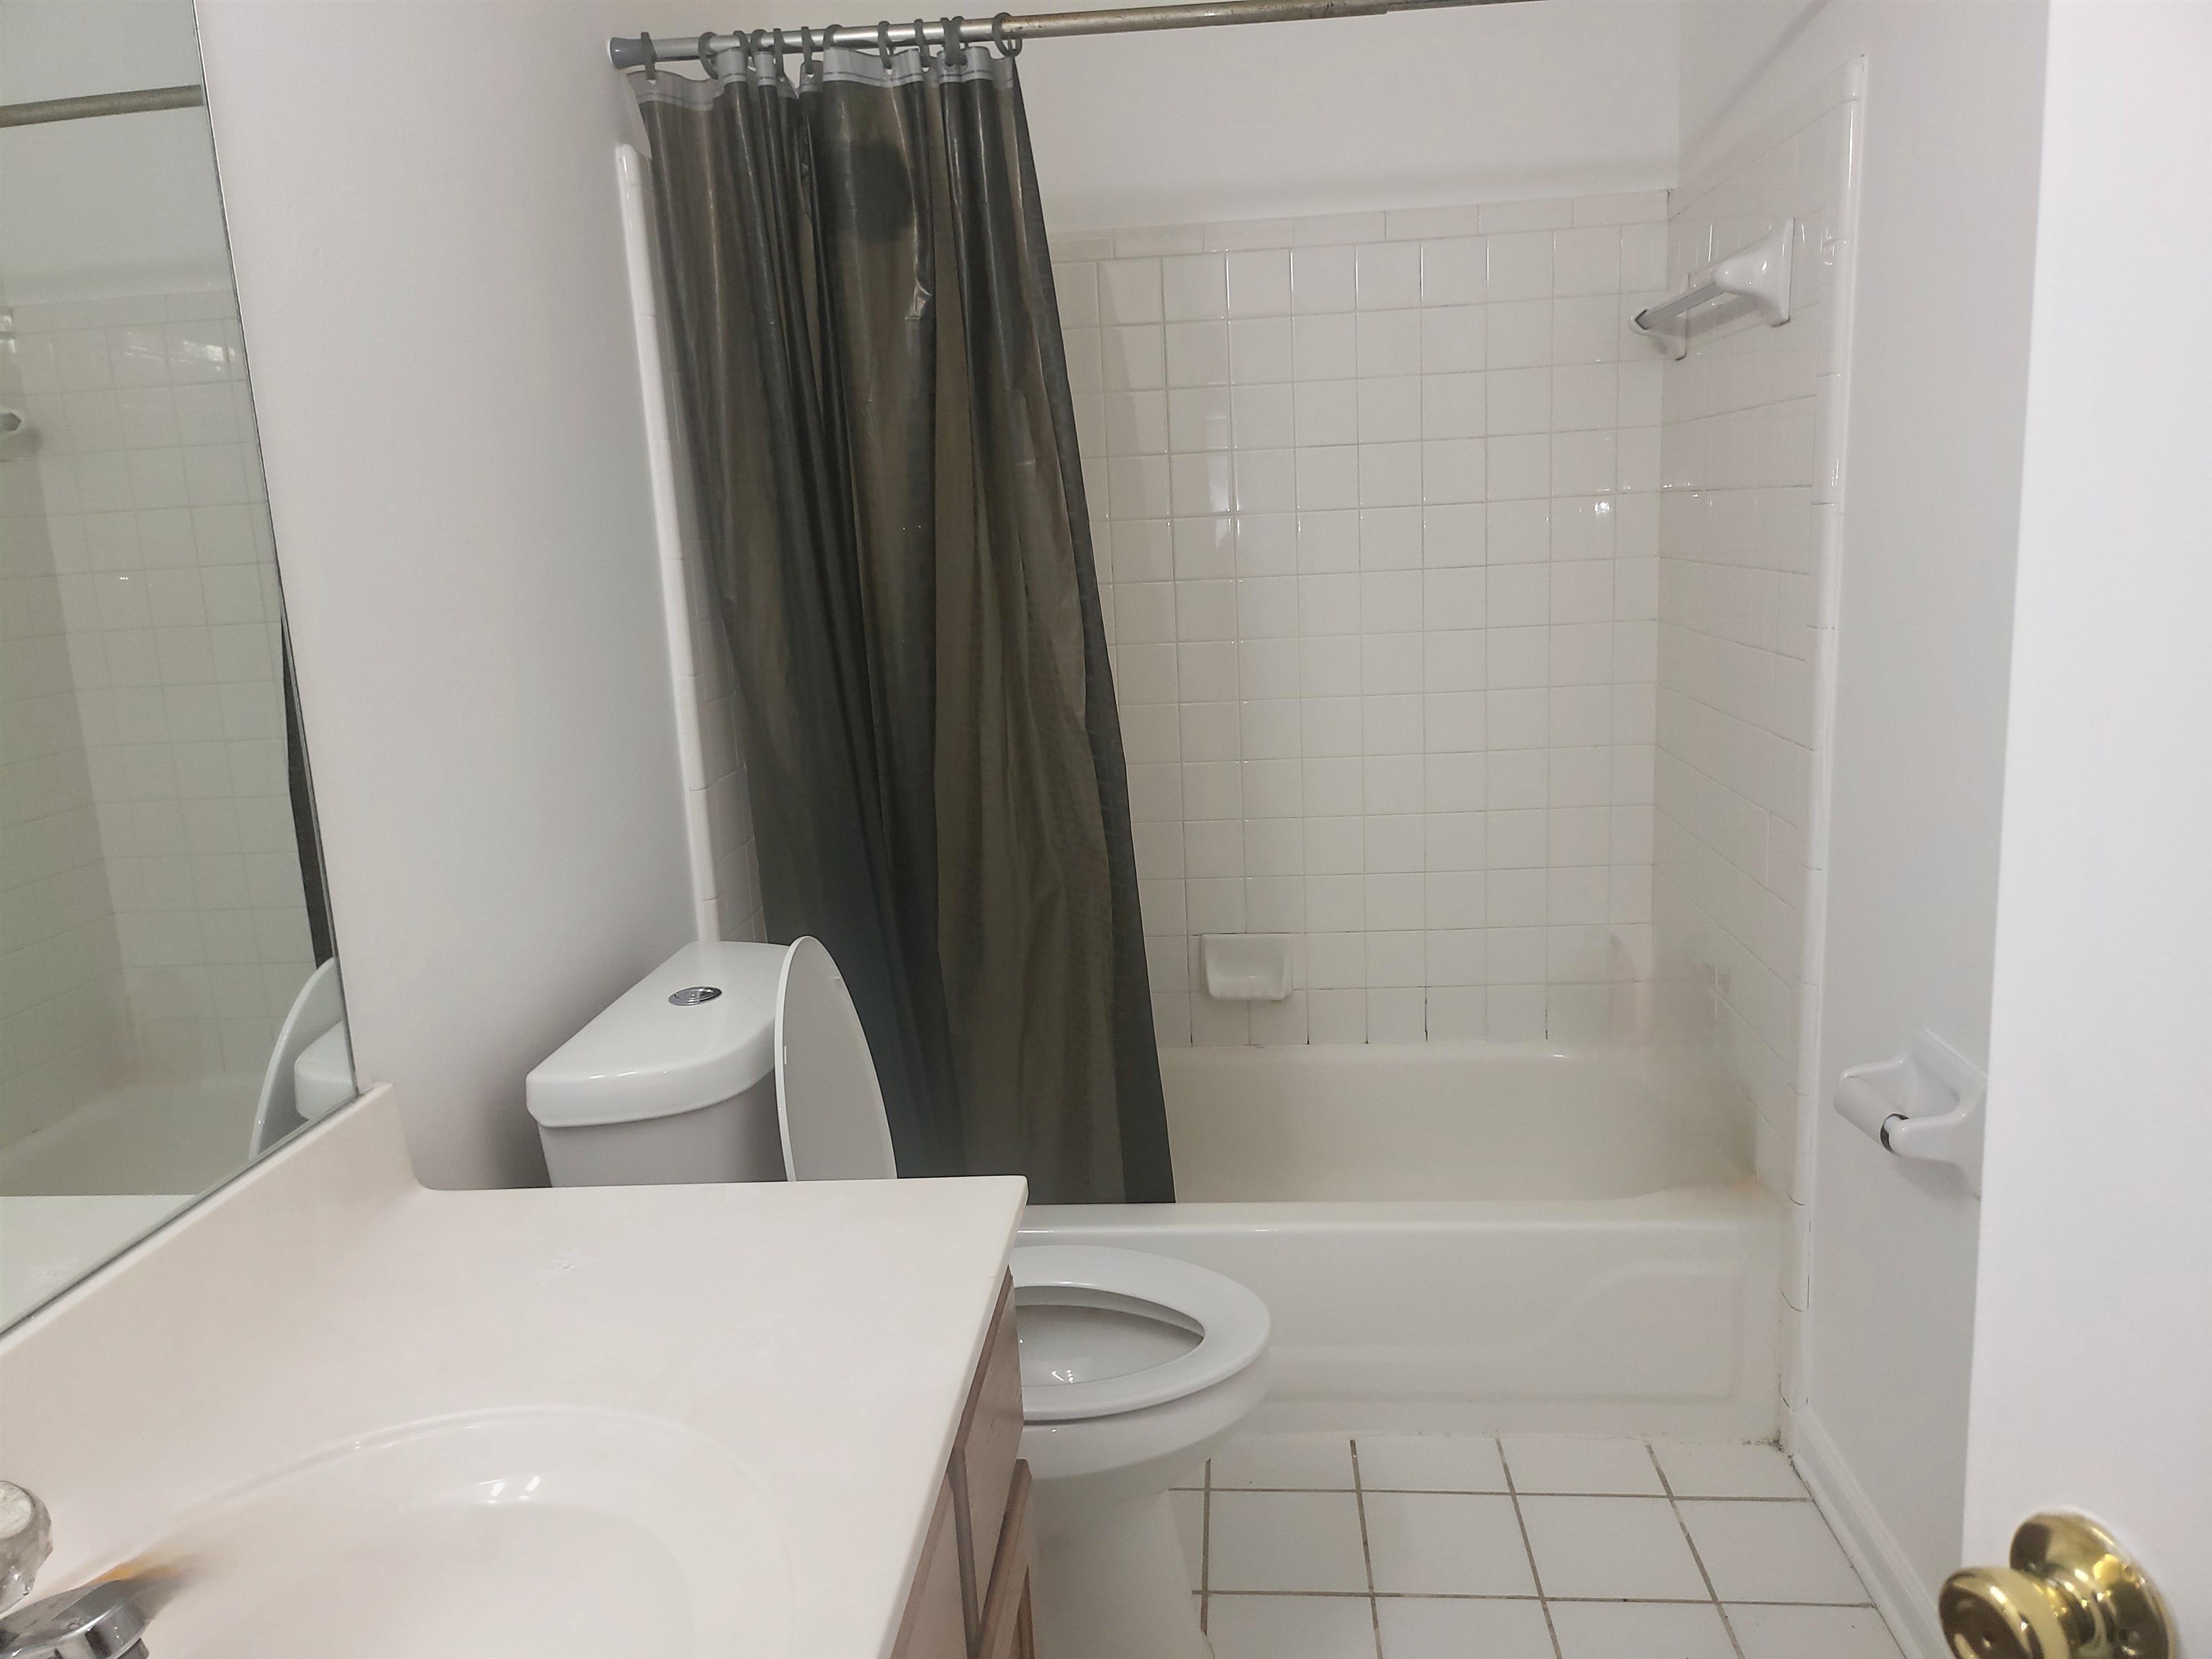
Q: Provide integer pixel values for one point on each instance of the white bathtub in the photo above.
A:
(1472, 1236)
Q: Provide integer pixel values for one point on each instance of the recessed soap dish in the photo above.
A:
(1246, 967)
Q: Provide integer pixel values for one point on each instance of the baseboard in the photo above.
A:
(1903, 1603)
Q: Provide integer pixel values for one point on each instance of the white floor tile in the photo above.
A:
(1770, 1553)
(1190, 1480)
(1430, 1462)
(1640, 1630)
(1446, 1544)
(1290, 1627)
(1611, 1548)
(1285, 1541)
(1291, 1463)
(1575, 1463)
(1811, 1633)
(1727, 1471)
(1190, 1525)
(1415, 1628)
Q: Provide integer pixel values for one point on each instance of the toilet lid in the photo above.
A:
(830, 1108)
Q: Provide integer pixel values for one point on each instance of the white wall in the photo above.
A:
(423, 212)
(1419, 109)
(1933, 468)
(2098, 1136)
(121, 204)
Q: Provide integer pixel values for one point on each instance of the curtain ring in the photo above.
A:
(884, 44)
(779, 54)
(1007, 48)
(953, 25)
(922, 42)
(652, 61)
(706, 54)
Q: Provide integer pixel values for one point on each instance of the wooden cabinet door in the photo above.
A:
(935, 1625)
(1009, 1627)
(984, 1454)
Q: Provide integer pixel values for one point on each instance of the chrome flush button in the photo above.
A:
(692, 995)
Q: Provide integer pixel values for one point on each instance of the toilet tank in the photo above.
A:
(673, 1081)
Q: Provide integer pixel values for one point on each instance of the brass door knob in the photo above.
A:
(2068, 1594)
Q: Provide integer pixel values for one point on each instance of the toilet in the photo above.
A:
(1135, 1369)
(737, 1061)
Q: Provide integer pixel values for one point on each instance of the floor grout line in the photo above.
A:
(1366, 1549)
(1535, 1576)
(1560, 1601)
(1666, 1486)
(1205, 1548)
(1525, 1492)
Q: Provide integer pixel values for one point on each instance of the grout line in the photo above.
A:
(1525, 1492)
(1206, 1548)
(1558, 1601)
(1535, 1576)
(1366, 1550)
(1727, 1623)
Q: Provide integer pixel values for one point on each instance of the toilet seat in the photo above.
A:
(1231, 1320)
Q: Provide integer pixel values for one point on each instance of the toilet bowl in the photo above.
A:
(736, 1061)
(1135, 1369)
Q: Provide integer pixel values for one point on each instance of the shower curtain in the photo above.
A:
(869, 357)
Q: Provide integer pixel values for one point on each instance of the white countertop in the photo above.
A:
(48, 1242)
(822, 1334)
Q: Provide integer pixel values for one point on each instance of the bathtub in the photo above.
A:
(1466, 1236)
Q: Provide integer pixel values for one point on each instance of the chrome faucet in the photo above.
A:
(95, 1621)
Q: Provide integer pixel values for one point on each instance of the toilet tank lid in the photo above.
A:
(655, 1051)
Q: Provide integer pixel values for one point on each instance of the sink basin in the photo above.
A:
(539, 1533)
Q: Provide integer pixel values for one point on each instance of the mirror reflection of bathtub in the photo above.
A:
(1490, 1235)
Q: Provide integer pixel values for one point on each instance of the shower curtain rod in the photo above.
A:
(100, 103)
(643, 51)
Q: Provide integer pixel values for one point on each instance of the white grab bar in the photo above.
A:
(1759, 273)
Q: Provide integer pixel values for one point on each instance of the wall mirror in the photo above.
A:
(169, 1002)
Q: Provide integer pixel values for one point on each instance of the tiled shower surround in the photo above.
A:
(1751, 544)
(1376, 505)
(145, 627)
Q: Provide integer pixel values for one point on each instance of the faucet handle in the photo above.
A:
(26, 1538)
(98, 1621)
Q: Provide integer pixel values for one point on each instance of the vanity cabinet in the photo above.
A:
(970, 1598)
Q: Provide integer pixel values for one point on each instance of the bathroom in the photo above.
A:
(1573, 746)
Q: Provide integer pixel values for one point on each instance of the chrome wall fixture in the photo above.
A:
(643, 51)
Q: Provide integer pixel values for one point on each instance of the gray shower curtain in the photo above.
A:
(869, 355)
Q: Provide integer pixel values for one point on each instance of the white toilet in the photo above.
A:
(1135, 1368)
(735, 1061)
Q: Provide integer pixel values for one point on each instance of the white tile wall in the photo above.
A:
(163, 563)
(1749, 541)
(64, 1029)
(1375, 500)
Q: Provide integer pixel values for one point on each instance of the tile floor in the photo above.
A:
(1521, 1546)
